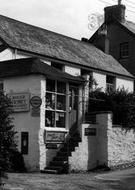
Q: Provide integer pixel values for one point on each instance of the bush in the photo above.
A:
(120, 102)
(7, 133)
(17, 162)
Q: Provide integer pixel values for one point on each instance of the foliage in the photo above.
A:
(7, 140)
(120, 102)
(17, 161)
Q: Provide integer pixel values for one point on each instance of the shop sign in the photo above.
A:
(90, 131)
(54, 137)
(51, 146)
(36, 101)
(20, 101)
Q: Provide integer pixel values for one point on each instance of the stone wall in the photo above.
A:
(111, 146)
(121, 146)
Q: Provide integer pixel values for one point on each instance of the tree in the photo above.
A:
(7, 134)
(120, 102)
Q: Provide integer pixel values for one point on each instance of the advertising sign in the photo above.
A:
(35, 101)
(20, 101)
(54, 137)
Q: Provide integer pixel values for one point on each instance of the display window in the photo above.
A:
(55, 107)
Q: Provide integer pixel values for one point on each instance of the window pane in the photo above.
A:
(50, 100)
(61, 102)
(61, 87)
(60, 119)
(50, 85)
(49, 118)
(124, 49)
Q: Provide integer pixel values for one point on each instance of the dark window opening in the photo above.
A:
(124, 50)
(57, 66)
(110, 83)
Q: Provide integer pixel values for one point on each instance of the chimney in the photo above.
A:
(116, 11)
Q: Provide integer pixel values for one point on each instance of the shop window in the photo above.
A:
(110, 83)
(55, 113)
(124, 50)
(24, 142)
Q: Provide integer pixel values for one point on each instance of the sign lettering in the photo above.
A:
(20, 101)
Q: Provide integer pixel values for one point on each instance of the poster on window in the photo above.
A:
(20, 101)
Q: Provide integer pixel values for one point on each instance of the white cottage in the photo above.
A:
(47, 76)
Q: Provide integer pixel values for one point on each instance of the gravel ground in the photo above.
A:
(118, 180)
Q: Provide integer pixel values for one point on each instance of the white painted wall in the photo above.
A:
(100, 80)
(7, 54)
(72, 70)
(124, 83)
(23, 121)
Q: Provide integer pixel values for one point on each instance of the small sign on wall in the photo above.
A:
(20, 101)
(35, 101)
(51, 146)
(90, 132)
(35, 112)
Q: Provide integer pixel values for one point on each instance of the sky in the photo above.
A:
(67, 17)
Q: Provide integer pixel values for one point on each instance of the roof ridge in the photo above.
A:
(41, 28)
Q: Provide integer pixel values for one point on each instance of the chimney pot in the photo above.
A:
(116, 11)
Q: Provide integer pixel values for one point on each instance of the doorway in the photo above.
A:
(73, 107)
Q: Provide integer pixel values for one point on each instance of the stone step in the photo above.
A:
(48, 171)
(63, 154)
(58, 163)
(66, 149)
(54, 168)
(60, 158)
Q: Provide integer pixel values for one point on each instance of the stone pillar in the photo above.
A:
(104, 121)
(42, 148)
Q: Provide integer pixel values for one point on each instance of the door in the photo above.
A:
(73, 106)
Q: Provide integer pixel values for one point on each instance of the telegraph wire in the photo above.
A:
(130, 11)
(130, 6)
(130, 2)
(102, 1)
(126, 4)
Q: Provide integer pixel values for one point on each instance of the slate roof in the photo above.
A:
(36, 40)
(27, 66)
(129, 25)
